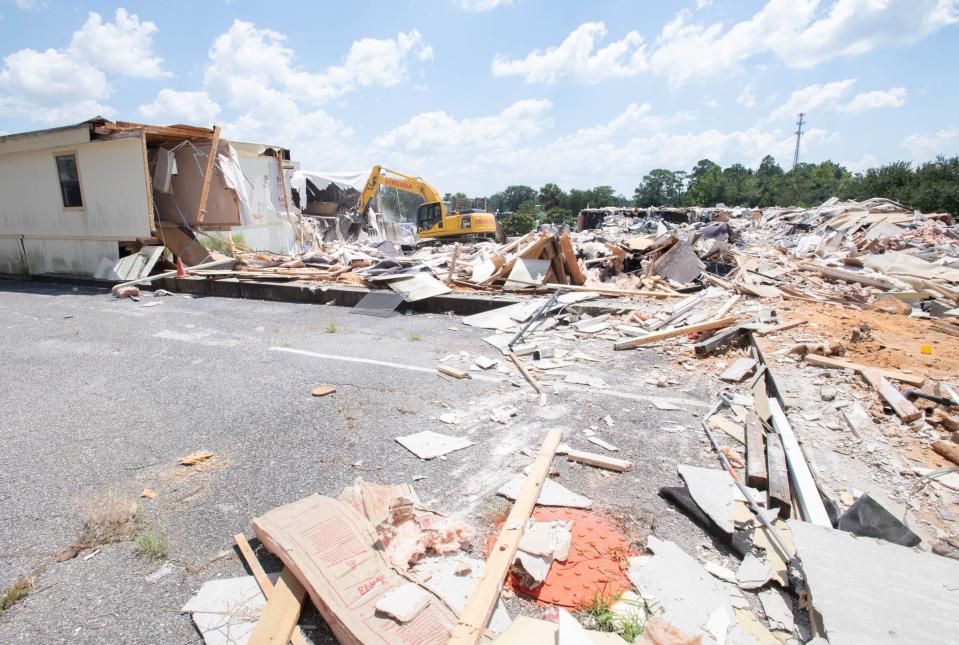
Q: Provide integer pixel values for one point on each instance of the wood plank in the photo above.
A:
(777, 475)
(262, 579)
(482, 599)
(208, 176)
(847, 276)
(679, 331)
(760, 398)
(569, 257)
(783, 326)
(278, 620)
(838, 363)
(736, 336)
(800, 476)
(727, 306)
(738, 370)
(947, 449)
(756, 473)
(525, 372)
(600, 461)
(452, 371)
(902, 406)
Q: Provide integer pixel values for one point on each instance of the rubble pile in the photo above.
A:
(828, 337)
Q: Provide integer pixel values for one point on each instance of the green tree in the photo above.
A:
(736, 185)
(705, 184)
(603, 196)
(658, 188)
(766, 184)
(552, 196)
(560, 216)
(511, 197)
(523, 220)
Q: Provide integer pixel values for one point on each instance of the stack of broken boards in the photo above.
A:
(555, 252)
(329, 547)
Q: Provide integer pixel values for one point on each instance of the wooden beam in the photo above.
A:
(569, 257)
(278, 620)
(149, 182)
(789, 324)
(525, 372)
(727, 306)
(733, 336)
(482, 599)
(262, 579)
(777, 475)
(208, 176)
(600, 461)
(803, 485)
(847, 276)
(902, 406)
(756, 473)
(679, 331)
(838, 363)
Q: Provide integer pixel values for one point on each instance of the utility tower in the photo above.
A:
(799, 125)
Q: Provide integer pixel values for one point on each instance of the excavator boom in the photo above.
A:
(435, 219)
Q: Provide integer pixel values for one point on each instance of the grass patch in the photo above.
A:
(15, 593)
(211, 243)
(331, 327)
(415, 337)
(628, 624)
(152, 545)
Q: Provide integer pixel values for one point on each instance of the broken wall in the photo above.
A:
(180, 205)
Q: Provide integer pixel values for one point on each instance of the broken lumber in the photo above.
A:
(736, 336)
(569, 257)
(452, 371)
(727, 306)
(902, 406)
(525, 372)
(323, 390)
(847, 276)
(483, 597)
(947, 449)
(778, 475)
(170, 274)
(678, 331)
(262, 579)
(783, 326)
(278, 620)
(755, 453)
(600, 461)
(838, 363)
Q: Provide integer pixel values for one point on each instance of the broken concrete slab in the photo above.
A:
(777, 605)
(883, 582)
(429, 444)
(552, 494)
(690, 598)
(505, 317)
(713, 491)
(752, 573)
(452, 578)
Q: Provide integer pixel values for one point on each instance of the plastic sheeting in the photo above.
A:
(237, 181)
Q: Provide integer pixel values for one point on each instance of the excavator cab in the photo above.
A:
(430, 215)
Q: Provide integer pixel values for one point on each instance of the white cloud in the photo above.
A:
(864, 163)
(30, 5)
(800, 33)
(702, 4)
(811, 97)
(577, 59)
(432, 131)
(893, 97)
(926, 146)
(710, 102)
(51, 87)
(618, 152)
(482, 5)
(747, 98)
(124, 46)
(172, 106)
(249, 66)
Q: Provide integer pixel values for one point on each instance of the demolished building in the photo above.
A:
(78, 198)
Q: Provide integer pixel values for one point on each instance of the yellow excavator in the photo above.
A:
(435, 218)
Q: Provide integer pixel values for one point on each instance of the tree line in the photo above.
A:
(931, 187)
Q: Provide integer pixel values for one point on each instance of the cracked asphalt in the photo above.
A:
(102, 397)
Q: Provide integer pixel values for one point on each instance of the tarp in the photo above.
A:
(342, 180)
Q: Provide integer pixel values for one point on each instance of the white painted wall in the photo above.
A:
(271, 229)
(115, 204)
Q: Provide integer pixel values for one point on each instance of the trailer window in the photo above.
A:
(69, 177)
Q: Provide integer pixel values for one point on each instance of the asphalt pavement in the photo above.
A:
(103, 397)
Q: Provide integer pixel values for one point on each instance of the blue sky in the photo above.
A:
(477, 94)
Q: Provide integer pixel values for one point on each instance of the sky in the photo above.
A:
(475, 95)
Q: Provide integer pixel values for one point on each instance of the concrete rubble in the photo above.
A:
(829, 338)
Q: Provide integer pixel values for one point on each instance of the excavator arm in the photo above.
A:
(398, 180)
